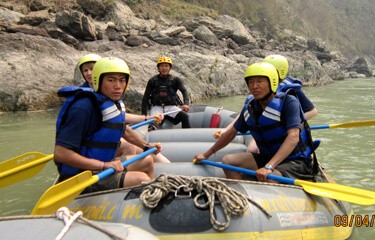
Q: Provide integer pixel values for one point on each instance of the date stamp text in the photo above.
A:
(354, 220)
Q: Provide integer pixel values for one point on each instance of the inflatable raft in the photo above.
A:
(72, 228)
(199, 137)
(167, 207)
(187, 201)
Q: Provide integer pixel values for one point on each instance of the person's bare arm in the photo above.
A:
(69, 157)
(312, 113)
(230, 125)
(76, 160)
(135, 118)
(223, 141)
(134, 138)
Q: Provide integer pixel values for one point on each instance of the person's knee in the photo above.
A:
(226, 159)
(138, 150)
(135, 178)
(149, 162)
(142, 177)
(183, 117)
(148, 166)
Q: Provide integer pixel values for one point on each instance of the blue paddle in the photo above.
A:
(329, 190)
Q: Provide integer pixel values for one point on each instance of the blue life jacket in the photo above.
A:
(269, 132)
(289, 83)
(103, 144)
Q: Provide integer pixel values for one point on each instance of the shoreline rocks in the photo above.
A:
(39, 51)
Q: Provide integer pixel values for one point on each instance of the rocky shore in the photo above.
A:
(39, 49)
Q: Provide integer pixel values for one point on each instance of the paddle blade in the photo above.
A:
(22, 167)
(63, 193)
(338, 192)
(366, 123)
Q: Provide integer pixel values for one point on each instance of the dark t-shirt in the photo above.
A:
(306, 104)
(82, 120)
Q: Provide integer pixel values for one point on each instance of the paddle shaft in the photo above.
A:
(248, 172)
(170, 112)
(137, 125)
(152, 120)
(111, 171)
(365, 123)
(323, 189)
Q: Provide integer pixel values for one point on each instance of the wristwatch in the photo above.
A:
(269, 167)
(147, 147)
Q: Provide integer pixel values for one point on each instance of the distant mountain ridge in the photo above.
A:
(345, 25)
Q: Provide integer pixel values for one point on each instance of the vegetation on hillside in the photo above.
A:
(344, 25)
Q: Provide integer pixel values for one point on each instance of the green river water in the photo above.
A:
(346, 153)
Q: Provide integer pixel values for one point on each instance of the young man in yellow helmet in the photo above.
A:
(277, 124)
(85, 66)
(161, 94)
(282, 66)
(90, 126)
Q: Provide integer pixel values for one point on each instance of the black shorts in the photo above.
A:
(111, 182)
(300, 168)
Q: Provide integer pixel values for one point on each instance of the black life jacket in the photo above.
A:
(164, 92)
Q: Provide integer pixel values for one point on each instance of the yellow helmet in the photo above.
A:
(91, 57)
(109, 65)
(164, 59)
(263, 69)
(280, 63)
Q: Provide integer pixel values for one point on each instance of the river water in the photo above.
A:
(346, 153)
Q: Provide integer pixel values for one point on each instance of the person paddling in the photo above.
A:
(281, 64)
(89, 128)
(85, 66)
(277, 124)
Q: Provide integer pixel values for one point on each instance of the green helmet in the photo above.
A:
(91, 57)
(280, 63)
(109, 65)
(263, 69)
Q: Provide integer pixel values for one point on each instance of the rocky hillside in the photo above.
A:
(41, 42)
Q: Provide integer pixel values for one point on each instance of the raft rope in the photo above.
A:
(68, 215)
(64, 214)
(232, 201)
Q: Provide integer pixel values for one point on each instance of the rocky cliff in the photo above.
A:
(39, 49)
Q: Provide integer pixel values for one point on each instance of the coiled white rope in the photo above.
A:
(231, 201)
